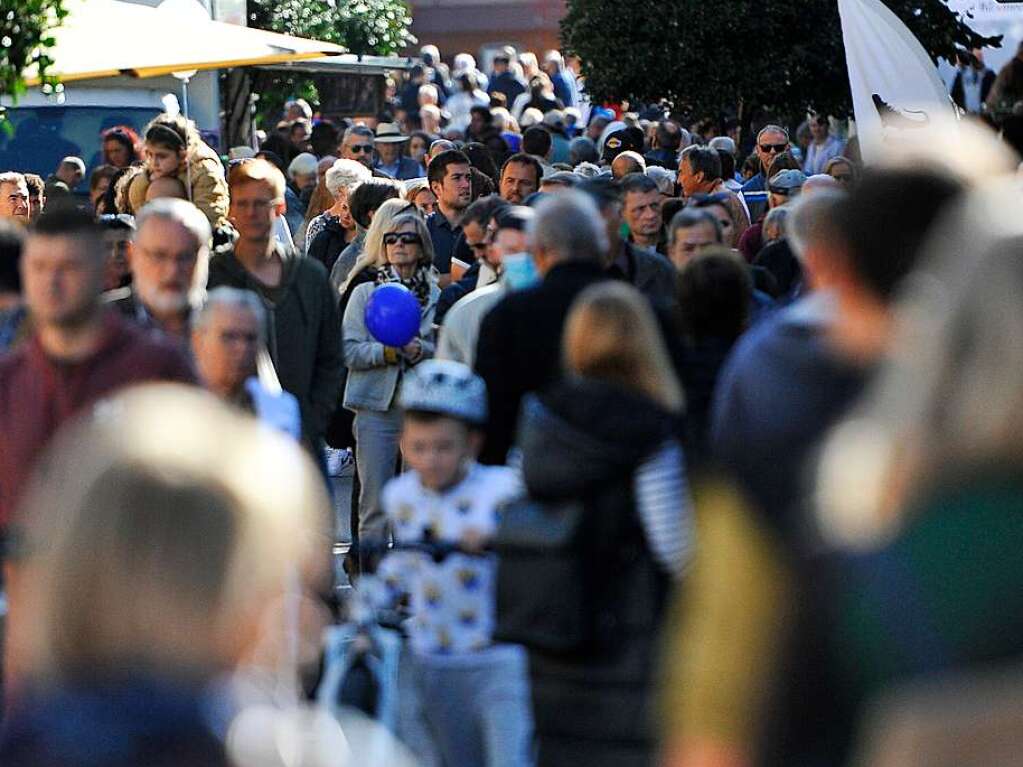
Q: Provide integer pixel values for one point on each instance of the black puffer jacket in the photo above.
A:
(584, 439)
(328, 243)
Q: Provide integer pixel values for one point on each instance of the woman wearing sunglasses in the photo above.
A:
(375, 371)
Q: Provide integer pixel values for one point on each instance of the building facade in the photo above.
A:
(482, 26)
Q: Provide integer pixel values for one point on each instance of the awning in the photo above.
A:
(106, 38)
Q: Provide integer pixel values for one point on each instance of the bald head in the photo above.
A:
(627, 162)
(166, 186)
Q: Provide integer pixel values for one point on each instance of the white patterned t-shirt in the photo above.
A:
(452, 601)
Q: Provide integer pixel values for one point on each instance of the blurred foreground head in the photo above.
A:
(948, 403)
(158, 533)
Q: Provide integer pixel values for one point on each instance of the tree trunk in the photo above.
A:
(237, 93)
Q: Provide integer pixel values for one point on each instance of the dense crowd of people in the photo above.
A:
(686, 458)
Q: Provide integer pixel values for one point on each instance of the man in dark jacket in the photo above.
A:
(519, 348)
(304, 331)
(793, 377)
(666, 145)
(651, 273)
(972, 83)
(504, 80)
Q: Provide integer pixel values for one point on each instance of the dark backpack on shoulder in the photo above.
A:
(575, 577)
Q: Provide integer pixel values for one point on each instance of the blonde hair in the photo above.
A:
(612, 335)
(257, 171)
(158, 532)
(386, 220)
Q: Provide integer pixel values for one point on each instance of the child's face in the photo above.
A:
(438, 450)
(162, 161)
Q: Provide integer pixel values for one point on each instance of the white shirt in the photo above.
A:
(452, 601)
(461, 329)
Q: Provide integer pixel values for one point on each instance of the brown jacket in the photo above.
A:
(208, 185)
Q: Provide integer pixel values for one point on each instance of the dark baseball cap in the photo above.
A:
(623, 140)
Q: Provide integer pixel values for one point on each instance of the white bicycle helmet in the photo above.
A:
(445, 387)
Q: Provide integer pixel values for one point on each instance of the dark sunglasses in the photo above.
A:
(843, 177)
(357, 148)
(406, 238)
(776, 148)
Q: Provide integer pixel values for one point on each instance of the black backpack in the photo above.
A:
(567, 571)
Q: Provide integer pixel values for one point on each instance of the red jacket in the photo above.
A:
(38, 394)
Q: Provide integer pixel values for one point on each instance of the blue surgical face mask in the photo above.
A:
(520, 271)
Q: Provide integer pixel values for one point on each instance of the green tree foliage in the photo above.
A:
(709, 58)
(25, 36)
(379, 27)
(366, 27)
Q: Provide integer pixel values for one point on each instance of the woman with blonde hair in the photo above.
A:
(608, 434)
(362, 269)
(398, 250)
(164, 542)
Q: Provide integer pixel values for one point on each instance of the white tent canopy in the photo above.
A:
(106, 38)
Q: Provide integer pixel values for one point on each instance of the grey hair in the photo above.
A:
(184, 214)
(233, 298)
(587, 170)
(303, 163)
(812, 220)
(12, 177)
(772, 129)
(570, 226)
(663, 177)
(358, 130)
(345, 174)
(777, 217)
(724, 144)
(77, 162)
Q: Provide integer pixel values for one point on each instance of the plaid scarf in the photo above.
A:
(419, 283)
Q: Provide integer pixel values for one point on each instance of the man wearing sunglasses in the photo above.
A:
(772, 140)
(359, 144)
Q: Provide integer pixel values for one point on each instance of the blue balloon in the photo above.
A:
(392, 315)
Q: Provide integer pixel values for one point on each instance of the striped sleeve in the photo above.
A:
(665, 507)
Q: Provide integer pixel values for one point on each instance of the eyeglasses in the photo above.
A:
(360, 148)
(843, 178)
(477, 246)
(775, 148)
(406, 238)
(257, 205)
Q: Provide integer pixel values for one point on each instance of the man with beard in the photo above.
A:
(168, 262)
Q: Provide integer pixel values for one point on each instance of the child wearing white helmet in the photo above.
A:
(472, 695)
